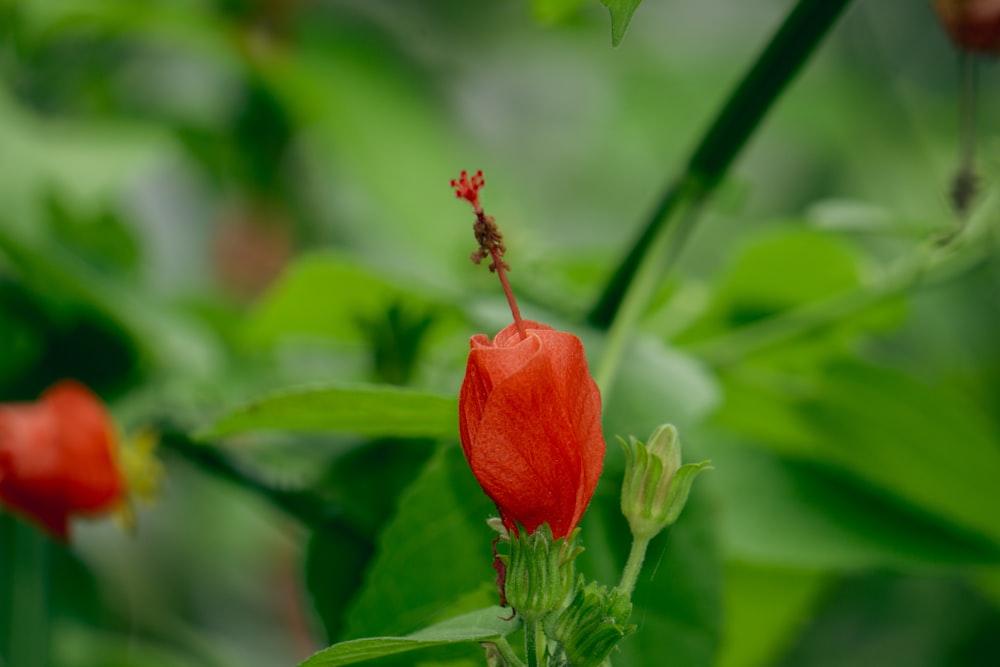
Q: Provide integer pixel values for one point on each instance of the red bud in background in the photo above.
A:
(58, 458)
(974, 25)
(529, 418)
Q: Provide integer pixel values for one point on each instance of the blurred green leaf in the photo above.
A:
(86, 163)
(163, 335)
(335, 561)
(371, 410)
(433, 559)
(783, 512)
(764, 608)
(103, 239)
(365, 483)
(917, 621)
(846, 215)
(555, 10)
(658, 384)
(759, 282)
(76, 646)
(621, 15)
(923, 448)
(477, 626)
(331, 296)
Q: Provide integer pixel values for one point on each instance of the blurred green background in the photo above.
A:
(207, 201)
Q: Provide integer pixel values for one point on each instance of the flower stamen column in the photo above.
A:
(490, 240)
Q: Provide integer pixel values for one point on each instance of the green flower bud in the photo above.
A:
(656, 485)
(591, 626)
(540, 572)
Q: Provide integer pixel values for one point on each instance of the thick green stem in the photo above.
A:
(531, 643)
(740, 115)
(636, 299)
(633, 565)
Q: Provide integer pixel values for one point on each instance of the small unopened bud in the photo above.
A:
(540, 572)
(591, 626)
(656, 485)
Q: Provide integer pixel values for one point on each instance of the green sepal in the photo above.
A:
(591, 626)
(540, 572)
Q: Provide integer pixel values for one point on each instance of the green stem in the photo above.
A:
(963, 187)
(633, 565)
(740, 115)
(668, 246)
(27, 587)
(507, 651)
(531, 644)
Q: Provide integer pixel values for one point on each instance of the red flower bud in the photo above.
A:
(530, 423)
(974, 25)
(58, 458)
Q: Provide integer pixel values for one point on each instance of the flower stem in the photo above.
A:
(668, 246)
(531, 644)
(507, 651)
(633, 565)
(740, 116)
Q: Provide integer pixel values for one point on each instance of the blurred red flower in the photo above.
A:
(58, 458)
(529, 419)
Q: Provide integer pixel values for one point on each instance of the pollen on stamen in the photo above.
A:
(489, 238)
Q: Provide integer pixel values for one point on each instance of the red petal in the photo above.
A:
(530, 425)
(58, 457)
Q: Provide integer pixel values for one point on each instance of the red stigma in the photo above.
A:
(468, 189)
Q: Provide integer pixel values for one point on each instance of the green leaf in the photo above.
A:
(657, 384)
(434, 558)
(552, 11)
(621, 15)
(365, 483)
(79, 645)
(163, 335)
(370, 410)
(764, 608)
(920, 621)
(478, 626)
(908, 449)
(358, 293)
(756, 285)
(932, 448)
(783, 512)
(335, 560)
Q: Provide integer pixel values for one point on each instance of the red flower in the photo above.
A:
(58, 458)
(529, 418)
